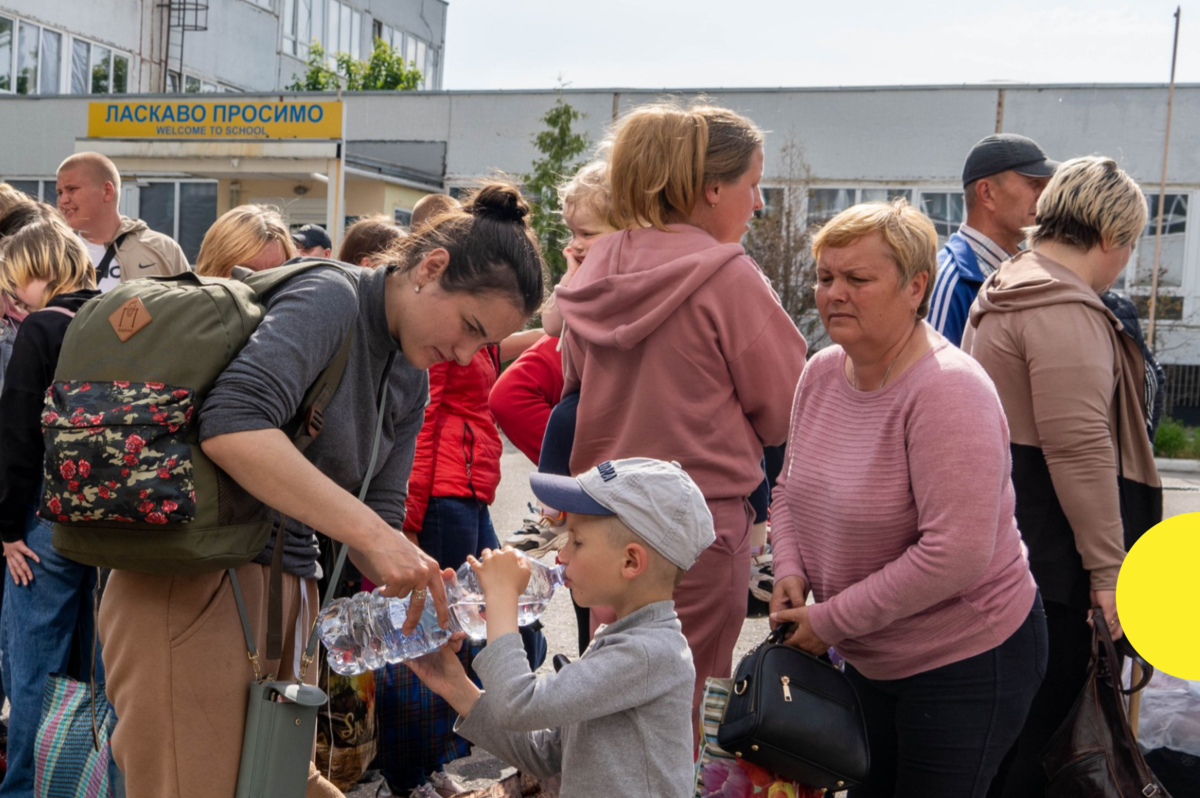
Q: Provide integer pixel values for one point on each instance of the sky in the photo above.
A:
(531, 44)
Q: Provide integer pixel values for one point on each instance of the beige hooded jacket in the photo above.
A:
(1071, 384)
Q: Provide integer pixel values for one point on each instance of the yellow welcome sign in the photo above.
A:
(234, 119)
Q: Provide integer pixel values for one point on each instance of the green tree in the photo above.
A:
(560, 147)
(385, 70)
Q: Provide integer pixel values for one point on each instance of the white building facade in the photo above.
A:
(857, 144)
(76, 47)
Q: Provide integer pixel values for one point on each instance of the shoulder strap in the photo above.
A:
(275, 619)
(311, 649)
(110, 253)
(309, 419)
(267, 280)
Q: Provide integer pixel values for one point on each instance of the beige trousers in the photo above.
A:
(178, 675)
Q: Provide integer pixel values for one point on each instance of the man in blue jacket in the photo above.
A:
(1002, 179)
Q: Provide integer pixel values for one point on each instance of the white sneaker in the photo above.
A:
(762, 575)
(537, 535)
(441, 785)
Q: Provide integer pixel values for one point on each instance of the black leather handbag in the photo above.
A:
(796, 715)
(1094, 752)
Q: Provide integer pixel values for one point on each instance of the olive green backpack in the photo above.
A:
(127, 485)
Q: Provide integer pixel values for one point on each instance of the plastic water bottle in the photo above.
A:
(362, 633)
(467, 604)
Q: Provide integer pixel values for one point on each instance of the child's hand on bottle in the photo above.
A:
(501, 573)
(442, 672)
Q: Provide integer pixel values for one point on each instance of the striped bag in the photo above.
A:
(719, 773)
(72, 755)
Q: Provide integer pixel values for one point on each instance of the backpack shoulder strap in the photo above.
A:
(267, 280)
(306, 424)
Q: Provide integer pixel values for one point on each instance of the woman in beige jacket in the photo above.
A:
(1071, 385)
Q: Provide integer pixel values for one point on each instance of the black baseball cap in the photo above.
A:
(1005, 151)
(311, 235)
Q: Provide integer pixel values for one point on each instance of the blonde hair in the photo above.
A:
(588, 188)
(370, 237)
(664, 155)
(10, 198)
(239, 235)
(1090, 201)
(618, 534)
(98, 166)
(908, 234)
(45, 250)
(431, 205)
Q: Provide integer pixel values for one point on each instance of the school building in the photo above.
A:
(329, 161)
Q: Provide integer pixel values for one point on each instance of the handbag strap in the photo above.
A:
(1102, 646)
(277, 555)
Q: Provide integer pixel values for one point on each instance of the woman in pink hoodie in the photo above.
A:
(678, 345)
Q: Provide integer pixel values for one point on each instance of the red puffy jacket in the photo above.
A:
(458, 448)
(526, 393)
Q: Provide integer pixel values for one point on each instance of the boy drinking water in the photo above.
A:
(618, 720)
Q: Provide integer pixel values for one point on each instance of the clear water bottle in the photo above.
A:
(362, 633)
(467, 604)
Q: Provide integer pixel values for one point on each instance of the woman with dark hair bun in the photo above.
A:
(173, 648)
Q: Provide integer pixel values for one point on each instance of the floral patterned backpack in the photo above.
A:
(127, 485)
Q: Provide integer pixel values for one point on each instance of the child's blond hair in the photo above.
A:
(589, 188)
(45, 250)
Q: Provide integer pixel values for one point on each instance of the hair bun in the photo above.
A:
(500, 201)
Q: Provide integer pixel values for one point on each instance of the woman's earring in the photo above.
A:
(417, 288)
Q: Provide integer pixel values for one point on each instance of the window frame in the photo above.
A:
(1189, 281)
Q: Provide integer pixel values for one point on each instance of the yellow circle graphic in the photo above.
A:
(1158, 596)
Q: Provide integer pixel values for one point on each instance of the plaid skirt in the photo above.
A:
(416, 725)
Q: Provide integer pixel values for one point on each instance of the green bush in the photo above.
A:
(1171, 439)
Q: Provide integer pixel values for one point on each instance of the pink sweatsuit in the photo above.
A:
(680, 350)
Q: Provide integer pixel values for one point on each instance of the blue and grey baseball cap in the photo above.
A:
(654, 498)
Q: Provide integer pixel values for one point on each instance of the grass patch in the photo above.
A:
(1176, 440)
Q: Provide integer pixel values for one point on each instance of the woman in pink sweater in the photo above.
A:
(895, 508)
(679, 347)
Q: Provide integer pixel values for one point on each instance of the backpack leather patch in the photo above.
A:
(129, 319)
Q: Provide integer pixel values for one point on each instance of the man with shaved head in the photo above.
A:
(89, 190)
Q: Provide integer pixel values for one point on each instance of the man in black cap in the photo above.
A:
(1002, 179)
(312, 242)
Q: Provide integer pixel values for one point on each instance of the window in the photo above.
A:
(183, 210)
(49, 78)
(191, 84)
(27, 58)
(1172, 259)
(6, 53)
(96, 69)
(773, 200)
(825, 203)
(173, 82)
(343, 30)
(945, 209)
(32, 188)
(35, 59)
(303, 24)
(402, 217)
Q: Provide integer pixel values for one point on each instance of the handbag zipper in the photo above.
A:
(787, 691)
